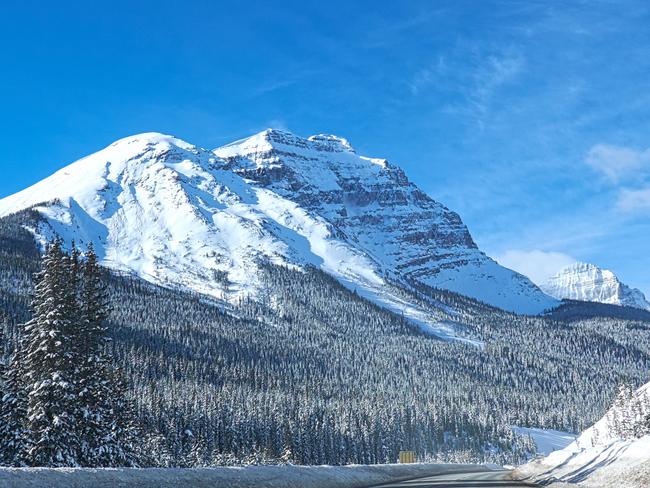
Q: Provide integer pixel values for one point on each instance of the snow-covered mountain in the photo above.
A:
(182, 216)
(582, 281)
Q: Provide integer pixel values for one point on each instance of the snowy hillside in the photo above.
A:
(182, 216)
(615, 451)
(310, 358)
(582, 281)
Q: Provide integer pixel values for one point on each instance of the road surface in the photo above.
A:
(494, 479)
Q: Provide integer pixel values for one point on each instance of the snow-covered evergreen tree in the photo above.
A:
(63, 398)
(628, 416)
(107, 425)
(50, 369)
(13, 411)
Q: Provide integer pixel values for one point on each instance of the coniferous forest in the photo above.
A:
(307, 373)
(63, 402)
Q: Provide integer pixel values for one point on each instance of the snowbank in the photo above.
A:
(623, 464)
(246, 477)
(606, 454)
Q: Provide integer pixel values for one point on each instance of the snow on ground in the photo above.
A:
(599, 457)
(245, 477)
(620, 464)
(546, 440)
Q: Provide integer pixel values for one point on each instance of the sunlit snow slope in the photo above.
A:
(182, 216)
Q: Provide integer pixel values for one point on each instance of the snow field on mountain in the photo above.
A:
(184, 217)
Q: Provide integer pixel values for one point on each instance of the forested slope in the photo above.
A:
(311, 373)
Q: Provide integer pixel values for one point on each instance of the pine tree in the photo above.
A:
(107, 421)
(13, 410)
(63, 400)
(49, 366)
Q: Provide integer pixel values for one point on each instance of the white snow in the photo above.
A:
(621, 464)
(178, 215)
(547, 440)
(597, 458)
(587, 282)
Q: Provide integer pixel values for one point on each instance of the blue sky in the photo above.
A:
(531, 119)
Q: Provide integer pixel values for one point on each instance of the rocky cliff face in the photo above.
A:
(372, 205)
(587, 282)
(181, 216)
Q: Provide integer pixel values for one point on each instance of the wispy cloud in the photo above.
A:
(279, 124)
(495, 71)
(388, 34)
(486, 73)
(427, 76)
(538, 265)
(618, 163)
(634, 200)
(273, 85)
(627, 170)
(472, 78)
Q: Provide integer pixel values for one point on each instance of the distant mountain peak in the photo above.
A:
(588, 282)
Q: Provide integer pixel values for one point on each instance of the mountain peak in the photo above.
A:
(151, 138)
(277, 139)
(588, 282)
(147, 137)
(322, 161)
(336, 143)
(581, 266)
(176, 214)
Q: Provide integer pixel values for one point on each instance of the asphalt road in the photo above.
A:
(493, 479)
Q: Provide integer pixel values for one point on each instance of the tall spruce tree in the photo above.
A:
(13, 410)
(50, 366)
(63, 400)
(108, 429)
